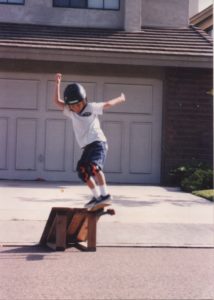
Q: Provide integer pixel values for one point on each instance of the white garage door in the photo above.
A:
(37, 142)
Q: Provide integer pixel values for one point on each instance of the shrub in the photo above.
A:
(199, 180)
(193, 176)
(178, 174)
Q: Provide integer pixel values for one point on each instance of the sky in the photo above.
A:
(204, 3)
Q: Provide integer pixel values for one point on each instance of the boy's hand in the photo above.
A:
(123, 98)
(58, 78)
(115, 101)
(57, 100)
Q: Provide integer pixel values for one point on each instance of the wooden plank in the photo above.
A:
(61, 222)
(92, 232)
(50, 220)
(75, 223)
(47, 228)
(51, 236)
(51, 246)
(83, 231)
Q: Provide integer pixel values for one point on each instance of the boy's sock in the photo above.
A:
(103, 190)
(96, 193)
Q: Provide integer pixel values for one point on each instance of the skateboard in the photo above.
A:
(99, 206)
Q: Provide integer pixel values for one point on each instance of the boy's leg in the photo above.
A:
(100, 177)
(97, 164)
(85, 175)
(93, 187)
(89, 167)
(101, 180)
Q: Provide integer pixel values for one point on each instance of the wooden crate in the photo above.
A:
(69, 227)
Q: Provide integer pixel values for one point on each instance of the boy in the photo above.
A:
(89, 136)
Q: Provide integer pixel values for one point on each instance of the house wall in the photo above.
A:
(188, 118)
(193, 7)
(43, 12)
(165, 13)
(131, 16)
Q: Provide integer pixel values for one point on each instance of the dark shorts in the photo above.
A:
(94, 153)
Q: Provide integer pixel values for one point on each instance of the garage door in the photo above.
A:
(37, 141)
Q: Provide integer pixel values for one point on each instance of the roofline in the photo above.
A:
(203, 19)
(204, 14)
(84, 56)
(203, 34)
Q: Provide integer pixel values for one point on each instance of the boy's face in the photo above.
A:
(77, 107)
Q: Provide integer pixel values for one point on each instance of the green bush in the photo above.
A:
(192, 177)
(198, 180)
(178, 174)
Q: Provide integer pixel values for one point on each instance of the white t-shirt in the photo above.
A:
(86, 124)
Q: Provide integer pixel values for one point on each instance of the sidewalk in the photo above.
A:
(145, 215)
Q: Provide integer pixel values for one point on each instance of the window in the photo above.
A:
(70, 3)
(12, 1)
(95, 4)
(103, 4)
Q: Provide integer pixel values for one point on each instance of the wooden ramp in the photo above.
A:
(70, 227)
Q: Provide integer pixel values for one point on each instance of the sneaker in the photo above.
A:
(102, 202)
(105, 199)
(91, 203)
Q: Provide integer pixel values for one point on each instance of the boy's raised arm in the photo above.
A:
(115, 101)
(57, 100)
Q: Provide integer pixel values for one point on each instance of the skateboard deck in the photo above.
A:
(99, 206)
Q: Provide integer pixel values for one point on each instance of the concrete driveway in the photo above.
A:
(145, 215)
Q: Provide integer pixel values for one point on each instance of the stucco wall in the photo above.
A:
(132, 14)
(42, 12)
(165, 13)
(193, 7)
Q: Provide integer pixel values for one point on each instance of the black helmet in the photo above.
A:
(74, 93)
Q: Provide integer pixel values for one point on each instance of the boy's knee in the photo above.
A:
(82, 172)
(85, 171)
(93, 169)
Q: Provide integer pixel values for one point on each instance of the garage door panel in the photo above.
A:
(141, 148)
(55, 145)
(3, 143)
(19, 94)
(139, 98)
(90, 88)
(26, 144)
(114, 133)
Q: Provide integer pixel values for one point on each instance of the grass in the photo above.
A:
(207, 194)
